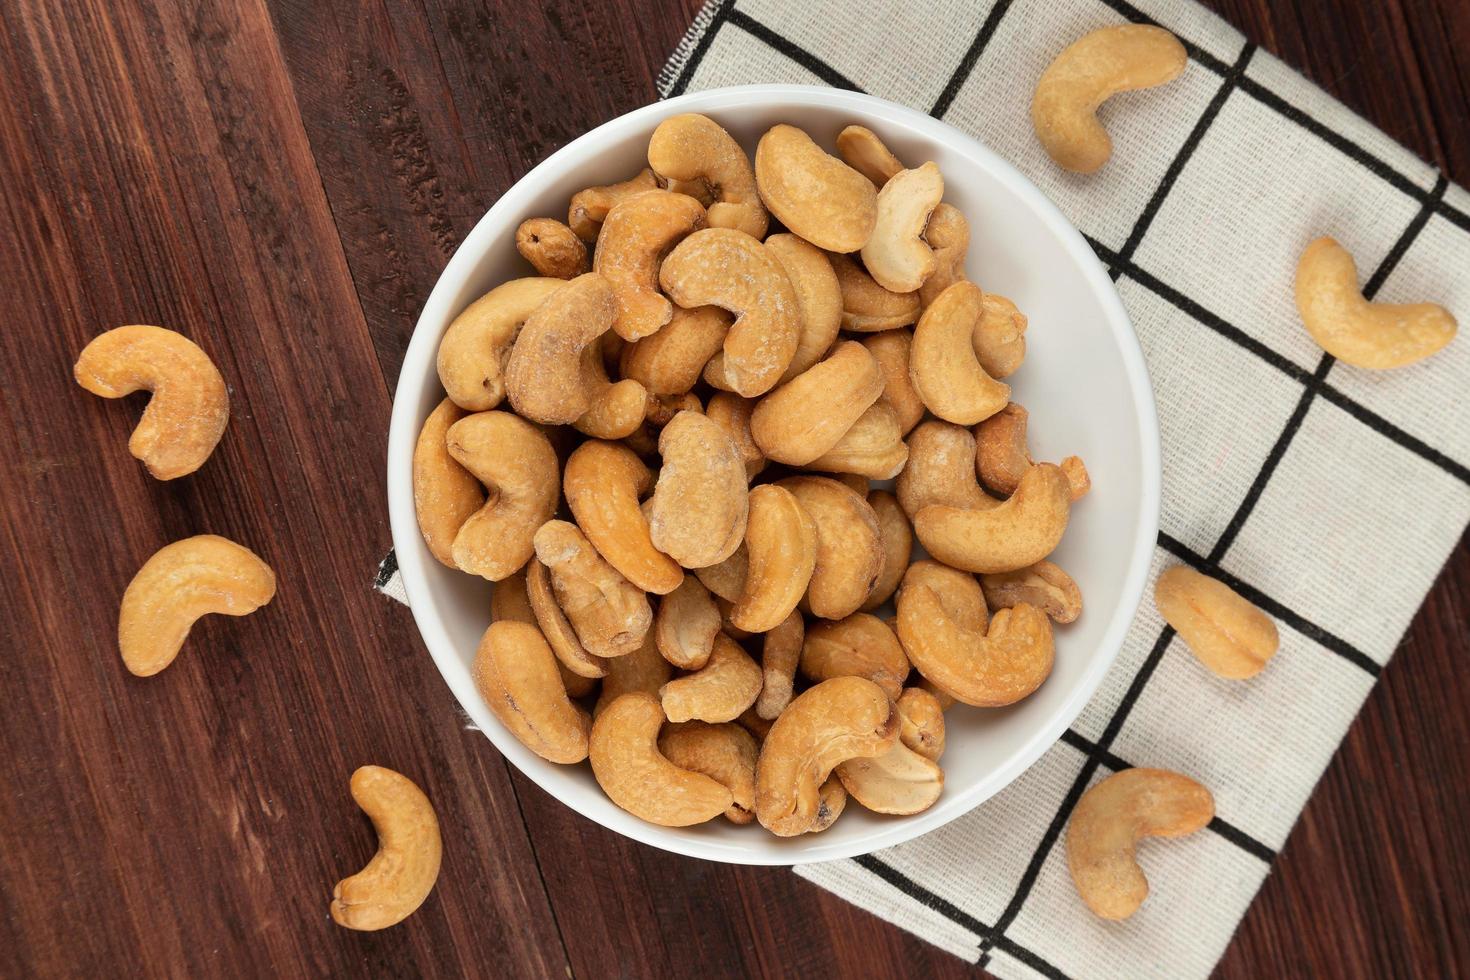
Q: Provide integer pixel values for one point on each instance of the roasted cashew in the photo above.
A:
(445, 494)
(476, 348)
(817, 295)
(178, 584)
(861, 645)
(849, 547)
(1013, 534)
(754, 723)
(644, 670)
(839, 719)
(941, 626)
(636, 776)
(864, 152)
(831, 801)
(510, 602)
(896, 255)
(635, 237)
(872, 447)
(780, 653)
(1366, 335)
(1225, 631)
(190, 406)
(866, 306)
(948, 234)
(403, 871)
(726, 579)
(686, 625)
(857, 484)
(897, 537)
(814, 194)
(515, 461)
(692, 147)
(610, 614)
(729, 269)
(732, 413)
(552, 248)
(781, 541)
(1089, 72)
(900, 781)
(921, 722)
(719, 691)
(809, 414)
(891, 348)
(940, 470)
(1002, 458)
(699, 504)
(589, 208)
(671, 361)
(603, 484)
(517, 675)
(555, 626)
(1109, 821)
(999, 338)
(725, 752)
(942, 362)
(944, 699)
(1043, 585)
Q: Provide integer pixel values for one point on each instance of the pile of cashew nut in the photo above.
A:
(662, 449)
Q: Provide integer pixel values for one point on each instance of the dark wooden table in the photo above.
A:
(284, 179)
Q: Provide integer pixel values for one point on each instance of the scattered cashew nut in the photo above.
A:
(1015, 533)
(692, 147)
(635, 237)
(555, 626)
(475, 349)
(514, 459)
(921, 722)
(948, 234)
(941, 470)
(603, 484)
(872, 447)
(445, 494)
(732, 413)
(1222, 628)
(896, 255)
(644, 670)
(636, 776)
(552, 248)
(813, 193)
(721, 690)
(809, 414)
(781, 542)
(700, 502)
(403, 871)
(670, 361)
(1043, 585)
(942, 362)
(891, 348)
(518, 676)
(897, 537)
(900, 781)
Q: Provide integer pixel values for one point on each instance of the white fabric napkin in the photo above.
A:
(1328, 495)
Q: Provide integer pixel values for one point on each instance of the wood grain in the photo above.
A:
(283, 180)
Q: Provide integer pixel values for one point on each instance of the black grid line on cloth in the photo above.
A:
(790, 50)
(387, 568)
(696, 57)
(1223, 828)
(961, 74)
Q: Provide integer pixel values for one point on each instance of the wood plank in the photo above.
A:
(156, 170)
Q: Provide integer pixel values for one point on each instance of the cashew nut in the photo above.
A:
(726, 753)
(403, 871)
(866, 306)
(1109, 821)
(516, 673)
(190, 406)
(781, 542)
(445, 494)
(864, 152)
(589, 208)
(670, 361)
(872, 447)
(754, 723)
(861, 645)
(686, 624)
(475, 349)
(942, 362)
(635, 237)
(814, 194)
(857, 484)
(692, 147)
(180, 583)
(809, 414)
(644, 670)
(1367, 335)
(831, 801)
(1043, 585)
(511, 602)
(552, 248)
(896, 255)
(891, 348)
(603, 484)
(699, 505)
(727, 578)
(515, 461)
(1002, 458)
(921, 722)
(636, 776)
(897, 537)
(1013, 534)
(555, 626)
(609, 614)
(555, 374)
(941, 623)
(732, 413)
(940, 470)
(948, 234)
(780, 653)
(942, 698)
(817, 295)
(729, 269)
(849, 547)
(1089, 72)
(1225, 631)
(900, 781)
(719, 691)
(999, 338)
(839, 719)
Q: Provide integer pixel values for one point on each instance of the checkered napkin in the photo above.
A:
(1327, 495)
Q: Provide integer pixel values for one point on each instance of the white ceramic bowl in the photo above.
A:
(1084, 383)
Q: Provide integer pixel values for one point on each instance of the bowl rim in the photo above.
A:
(418, 369)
